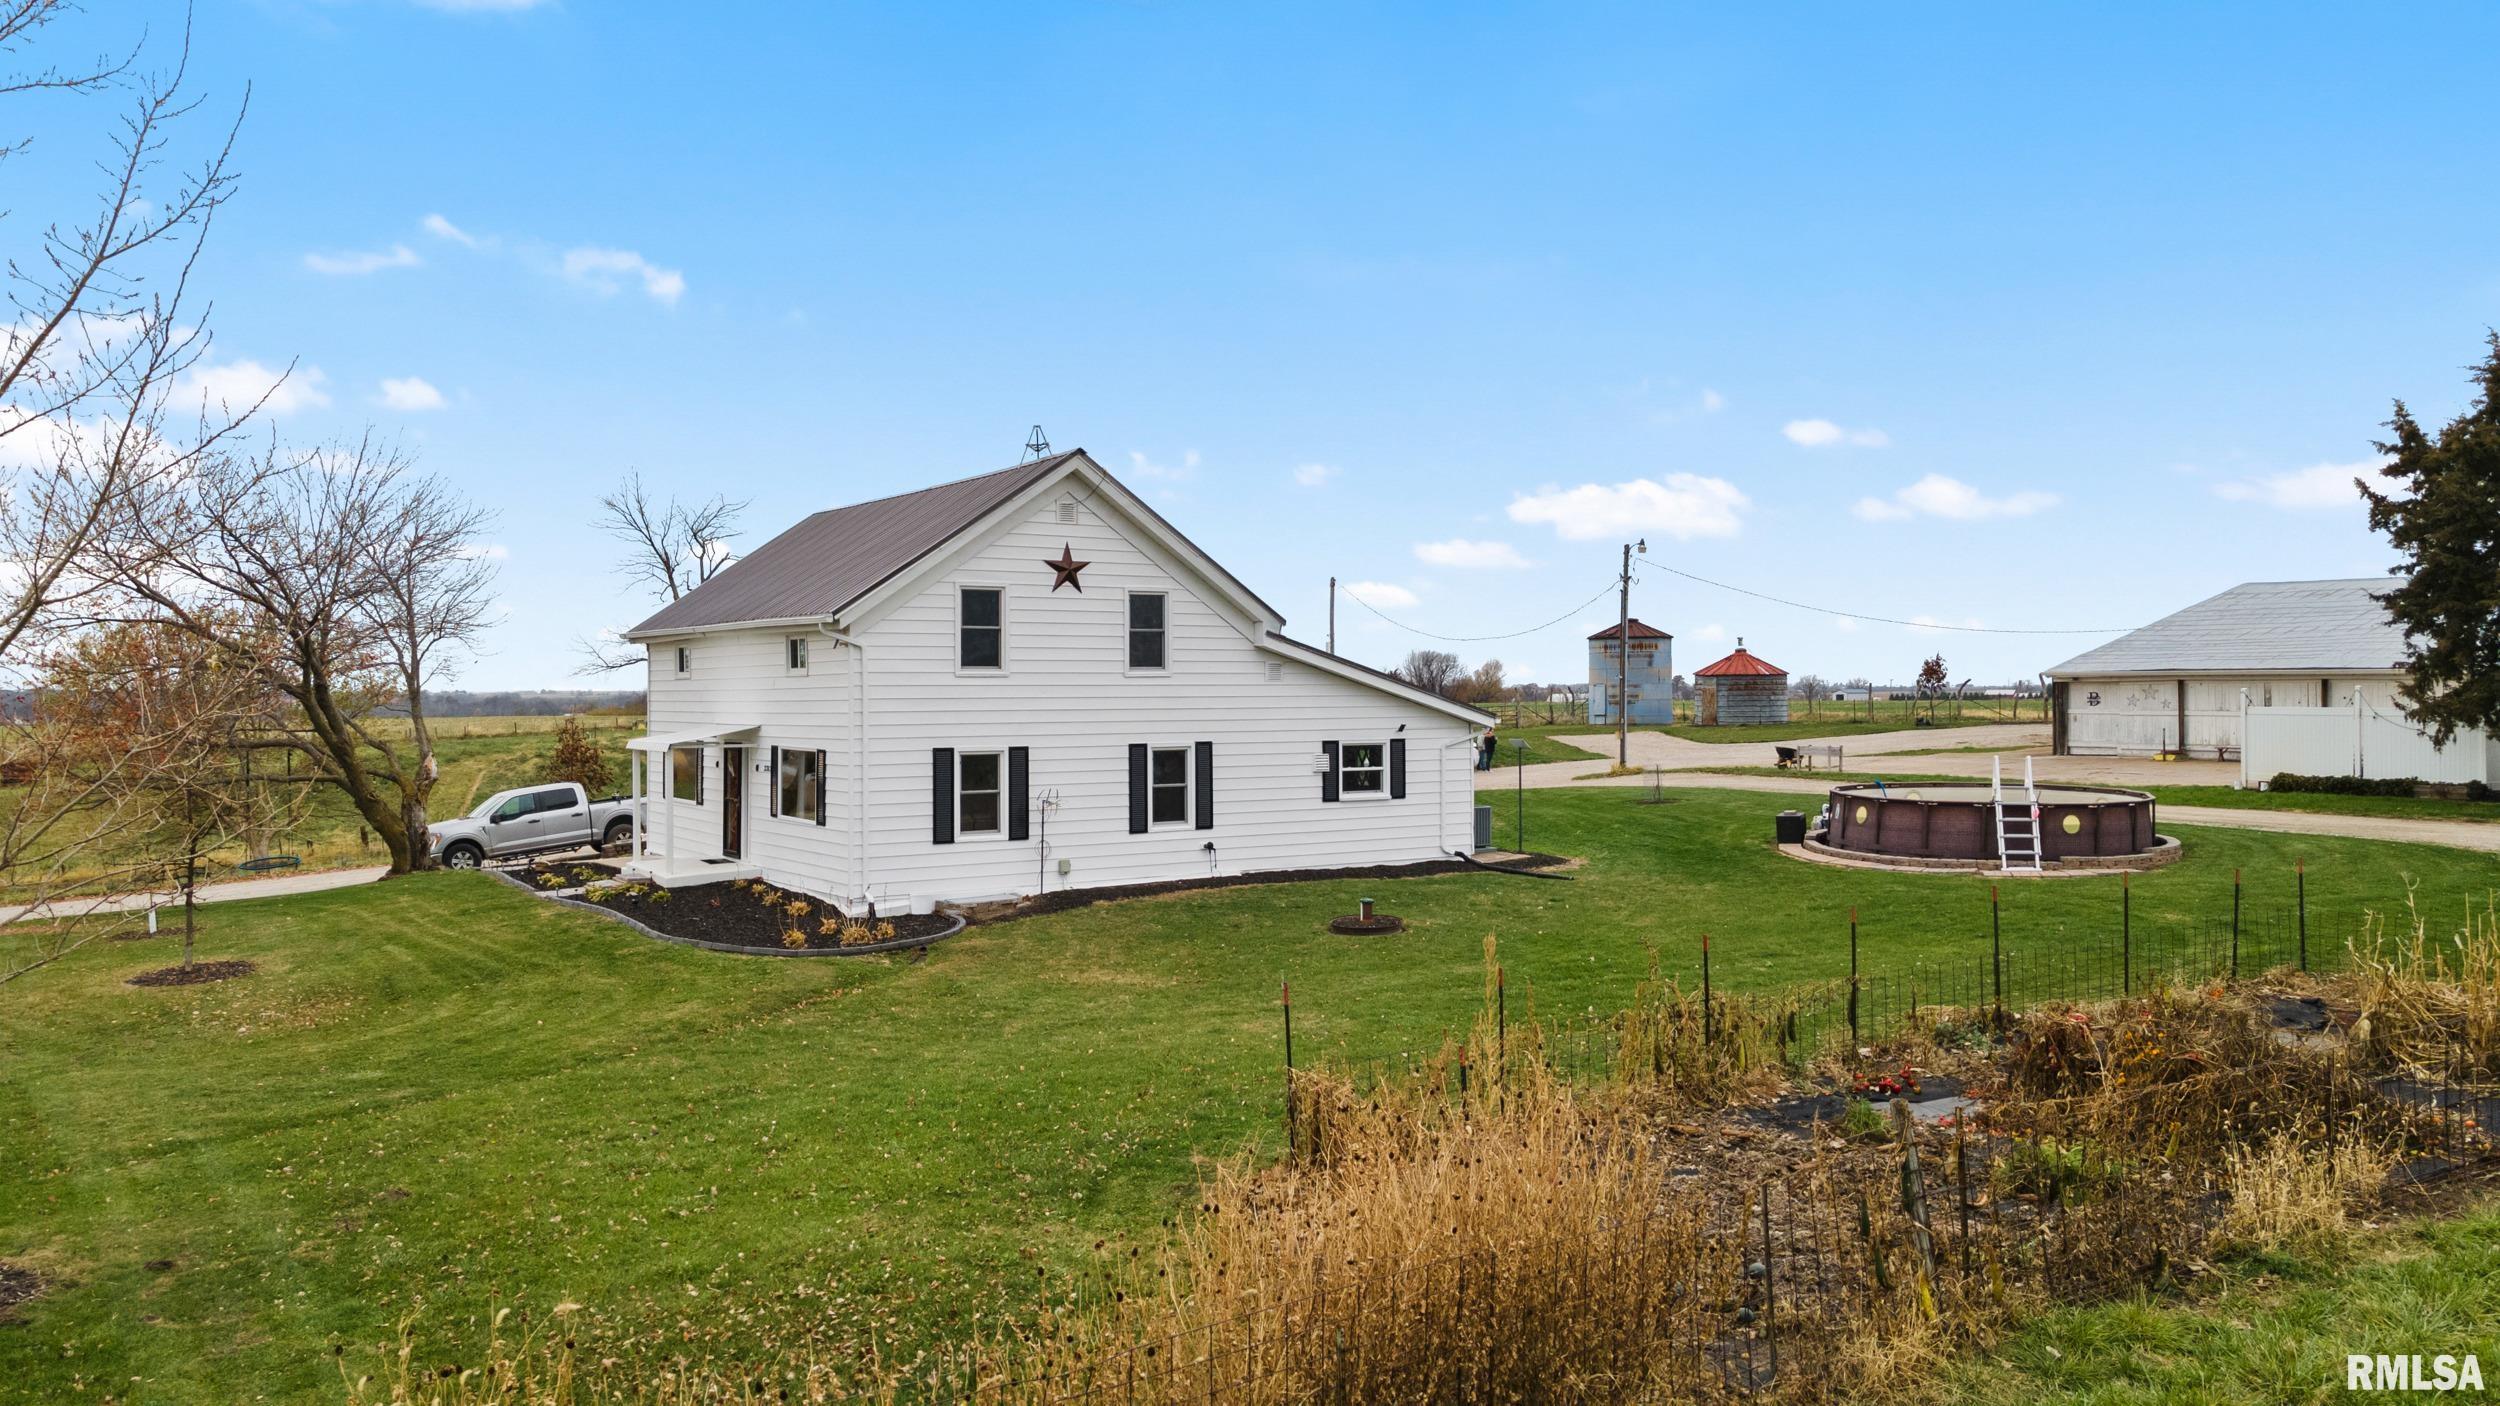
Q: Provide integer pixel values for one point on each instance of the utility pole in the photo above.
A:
(1332, 614)
(1623, 658)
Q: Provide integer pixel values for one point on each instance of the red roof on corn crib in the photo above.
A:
(1739, 665)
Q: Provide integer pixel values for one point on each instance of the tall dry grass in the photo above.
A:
(2293, 1193)
(2430, 993)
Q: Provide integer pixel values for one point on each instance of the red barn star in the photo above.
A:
(1065, 569)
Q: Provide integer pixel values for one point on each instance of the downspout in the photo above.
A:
(859, 758)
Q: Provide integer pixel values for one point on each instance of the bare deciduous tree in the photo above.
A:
(100, 333)
(356, 583)
(670, 548)
(1432, 670)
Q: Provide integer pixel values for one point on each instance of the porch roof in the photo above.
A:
(701, 732)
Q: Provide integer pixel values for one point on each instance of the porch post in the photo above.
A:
(640, 813)
(662, 783)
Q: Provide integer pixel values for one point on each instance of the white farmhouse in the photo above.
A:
(2174, 686)
(1017, 683)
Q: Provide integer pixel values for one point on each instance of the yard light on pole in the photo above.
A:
(1623, 657)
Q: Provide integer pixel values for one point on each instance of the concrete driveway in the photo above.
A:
(227, 892)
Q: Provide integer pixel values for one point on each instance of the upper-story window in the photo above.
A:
(1146, 644)
(981, 628)
(794, 654)
(685, 659)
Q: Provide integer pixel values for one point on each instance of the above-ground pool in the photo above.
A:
(2079, 825)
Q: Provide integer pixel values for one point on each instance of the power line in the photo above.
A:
(1480, 639)
(1883, 619)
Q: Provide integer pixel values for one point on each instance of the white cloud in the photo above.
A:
(2320, 486)
(357, 263)
(1380, 593)
(1712, 402)
(1459, 551)
(1142, 467)
(1939, 496)
(410, 393)
(239, 385)
(603, 271)
(1314, 475)
(1817, 434)
(1684, 507)
(441, 228)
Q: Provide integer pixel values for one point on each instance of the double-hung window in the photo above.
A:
(1167, 792)
(685, 774)
(981, 628)
(1365, 769)
(794, 654)
(685, 659)
(977, 794)
(1146, 638)
(797, 784)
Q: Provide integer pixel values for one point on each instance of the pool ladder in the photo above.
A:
(2018, 822)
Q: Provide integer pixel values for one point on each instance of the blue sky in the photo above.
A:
(2021, 316)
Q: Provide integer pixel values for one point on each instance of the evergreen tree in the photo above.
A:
(2442, 512)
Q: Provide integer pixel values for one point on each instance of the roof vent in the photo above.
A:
(1067, 510)
(1275, 671)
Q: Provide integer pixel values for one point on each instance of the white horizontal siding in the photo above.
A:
(741, 677)
(1066, 694)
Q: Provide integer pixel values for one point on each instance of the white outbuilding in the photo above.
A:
(2173, 688)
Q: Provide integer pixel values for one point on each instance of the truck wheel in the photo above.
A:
(620, 830)
(463, 856)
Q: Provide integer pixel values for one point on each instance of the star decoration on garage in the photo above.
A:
(1065, 569)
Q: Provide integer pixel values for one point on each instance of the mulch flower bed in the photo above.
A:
(752, 913)
(17, 1285)
(195, 974)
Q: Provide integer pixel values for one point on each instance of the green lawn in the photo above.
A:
(2221, 797)
(2276, 1330)
(1828, 725)
(440, 1091)
(1544, 745)
(477, 757)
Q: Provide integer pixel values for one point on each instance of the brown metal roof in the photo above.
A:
(837, 556)
(1639, 632)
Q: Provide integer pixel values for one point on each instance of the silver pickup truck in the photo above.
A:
(532, 820)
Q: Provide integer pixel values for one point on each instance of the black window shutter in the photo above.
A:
(1137, 788)
(941, 795)
(1328, 778)
(772, 789)
(820, 788)
(1397, 768)
(1019, 788)
(1204, 764)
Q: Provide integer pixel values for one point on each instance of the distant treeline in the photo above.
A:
(526, 703)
